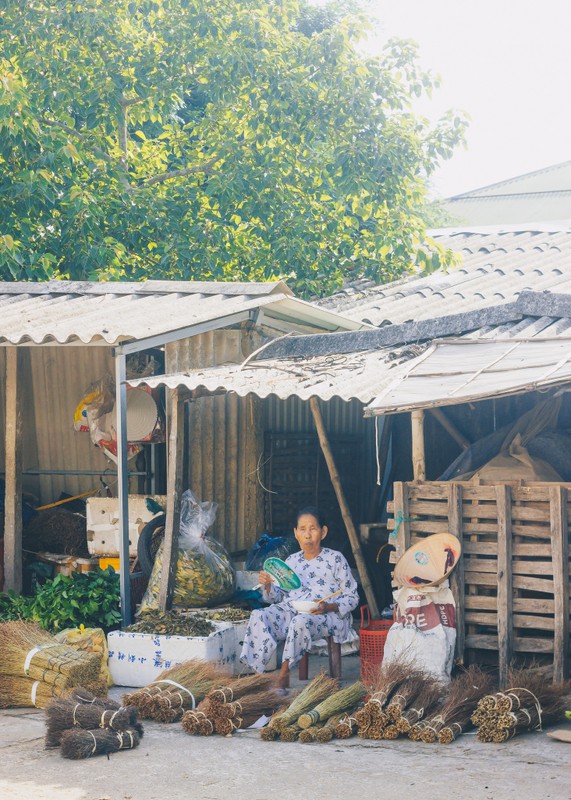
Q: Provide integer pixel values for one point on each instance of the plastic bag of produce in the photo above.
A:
(204, 572)
(90, 640)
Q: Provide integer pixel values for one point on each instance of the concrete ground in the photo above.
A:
(170, 765)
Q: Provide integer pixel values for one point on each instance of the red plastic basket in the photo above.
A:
(372, 637)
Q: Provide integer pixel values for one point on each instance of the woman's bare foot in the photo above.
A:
(283, 677)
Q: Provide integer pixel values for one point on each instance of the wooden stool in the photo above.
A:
(334, 653)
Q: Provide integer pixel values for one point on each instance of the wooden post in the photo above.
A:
(418, 459)
(448, 426)
(402, 540)
(13, 486)
(560, 556)
(174, 490)
(457, 577)
(351, 531)
(505, 583)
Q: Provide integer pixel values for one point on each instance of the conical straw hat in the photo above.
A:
(429, 561)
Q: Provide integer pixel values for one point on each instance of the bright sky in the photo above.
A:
(508, 65)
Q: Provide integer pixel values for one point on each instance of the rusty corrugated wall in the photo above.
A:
(53, 382)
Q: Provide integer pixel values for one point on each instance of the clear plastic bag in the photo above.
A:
(204, 572)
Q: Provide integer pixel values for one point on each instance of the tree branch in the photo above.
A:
(54, 123)
(179, 173)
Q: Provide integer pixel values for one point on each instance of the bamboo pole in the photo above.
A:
(13, 485)
(448, 426)
(351, 531)
(418, 458)
(174, 490)
(560, 556)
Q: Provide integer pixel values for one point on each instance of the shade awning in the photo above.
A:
(464, 370)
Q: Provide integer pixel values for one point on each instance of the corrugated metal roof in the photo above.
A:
(357, 376)
(366, 374)
(108, 313)
(543, 194)
(464, 370)
(496, 266)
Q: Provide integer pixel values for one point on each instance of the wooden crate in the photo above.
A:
(512, 583)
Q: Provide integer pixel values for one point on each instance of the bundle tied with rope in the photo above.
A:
(314, 693)
(238, 704)
(77, 743)
(78, 712)
(29, 651)
(176, 689)
(372, 718)
(342, 701)
(454, 715)
(530, 704)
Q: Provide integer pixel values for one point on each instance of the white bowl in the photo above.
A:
(304, 606)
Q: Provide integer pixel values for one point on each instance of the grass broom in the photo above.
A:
(464, 694)
(77, 743)
(316, 691)
(342, 700)
(346, 727)
(426, 701)
(29, 651)
(248, 684)
(63, 714)
(327, 732)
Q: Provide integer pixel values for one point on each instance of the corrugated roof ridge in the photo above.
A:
(144, 287)
(508, 181)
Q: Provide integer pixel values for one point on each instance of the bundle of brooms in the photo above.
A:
(77, 743)
(30, 652)
(346, 727)
(311, 696)
(454, 715)
(530, 704)
(82, 710)
(372, 718)
(176, 689)
(236, 705)
(341, 701)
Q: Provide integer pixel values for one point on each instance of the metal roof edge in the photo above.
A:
(515, 179)
(145, 287)
(391, 335)
(333, 321)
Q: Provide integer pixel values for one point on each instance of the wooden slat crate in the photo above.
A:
(512, 583)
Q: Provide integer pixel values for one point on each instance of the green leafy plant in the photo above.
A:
(14, 606)
(88, 598)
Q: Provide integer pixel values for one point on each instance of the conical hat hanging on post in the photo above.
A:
(429, 561)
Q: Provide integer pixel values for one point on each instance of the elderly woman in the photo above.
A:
(322, 572)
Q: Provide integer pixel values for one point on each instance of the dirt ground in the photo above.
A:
(170, 765)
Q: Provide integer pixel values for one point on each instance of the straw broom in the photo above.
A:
(346, 727)
(342, 700)
(372, 718)
(530, 704)
(63, 714)
(327, 732)
(249, 708)
(29, 651)
(290, 733)
(407, 693)
(316, 691)
(191, 718)
(237, 688)
(25, 692)
(77, 743)
(465, 692)
(307, 735)
(181, 686)
(425, 702)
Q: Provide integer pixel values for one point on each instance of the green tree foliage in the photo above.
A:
(184, 139)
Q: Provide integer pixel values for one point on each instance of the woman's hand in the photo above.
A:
(325, 608)
(266, 580)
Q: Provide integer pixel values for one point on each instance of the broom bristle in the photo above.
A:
(316, 691)
(29, 651)
(77, 743)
